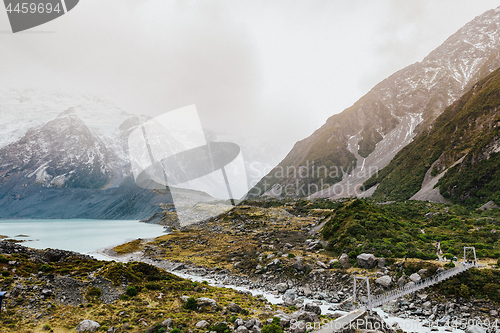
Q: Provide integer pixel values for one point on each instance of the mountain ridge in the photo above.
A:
(397, 109)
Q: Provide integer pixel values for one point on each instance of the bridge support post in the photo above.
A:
(471, 250)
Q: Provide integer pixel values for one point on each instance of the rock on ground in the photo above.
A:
(202, 324)
(87, 325)
(344, 261)
(385, 281)
(366, 260)
(415, 277)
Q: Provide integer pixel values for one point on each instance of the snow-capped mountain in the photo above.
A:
(62, 140)
(364, 138)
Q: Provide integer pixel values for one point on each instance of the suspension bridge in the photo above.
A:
(379, 300)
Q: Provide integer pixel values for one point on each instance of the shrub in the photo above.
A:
(190, 304)
(3, 259)
(233, 319)
(220, 328)
(131, 291)
(274, 327)
(291, 255)
(152, 286)
(46, 268)
(175, 330)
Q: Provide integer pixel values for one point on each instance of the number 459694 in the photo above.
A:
(27, 7)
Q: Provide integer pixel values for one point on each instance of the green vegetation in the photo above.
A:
(401, 229)
(190, 304)
(274, 327)
(465, 129)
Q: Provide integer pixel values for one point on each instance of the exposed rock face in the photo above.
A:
(87, 326)
(489, 206)
(367, 135)
(366, 260)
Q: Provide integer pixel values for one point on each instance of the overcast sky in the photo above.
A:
(262, 70)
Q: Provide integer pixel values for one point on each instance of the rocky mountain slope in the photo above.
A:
(60, 151)
(337, 158)
(459, 154)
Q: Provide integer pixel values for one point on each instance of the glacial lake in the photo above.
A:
(84, 236)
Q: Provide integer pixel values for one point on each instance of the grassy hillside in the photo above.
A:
(410, 229)
(469, 128)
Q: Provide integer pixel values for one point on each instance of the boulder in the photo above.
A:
(233, 307)
(241, 329)
(238, 322)
(381, 262)
(321, 264)
(332, 262)
(298, 265)
(493, 313)
(402, 281)
(344, 261)
(203, 324)
(385, 281)
(87, 326)
(366, 260)
(281, 287)
(422, 271)
(168, 323)
(206, 304)
(391, 307)
(308, 317)
(306, 290)
(427, 305)
(415, 277)
(311, 307)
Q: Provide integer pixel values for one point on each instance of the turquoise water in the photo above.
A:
(84, 236)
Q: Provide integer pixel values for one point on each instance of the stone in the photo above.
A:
(290, 293)
(308, 317)
(311, 307)
(422, 271)
(281, 287)
(307, 291)
(427, 305)
(415, 277)
(493, 313)
(87, 325)
(344, 261)
(385, 281)
(391, 307)
(238, 322)
(410, 284)
(168, 323)
(332, 262)
(249, 323)
(381, 262)
(206, 304)
(401, 281)
(203, 324)
(233, 307)
(321, 264)
(298, 265)
(256, 329)
(241, 329)
(366, 260)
